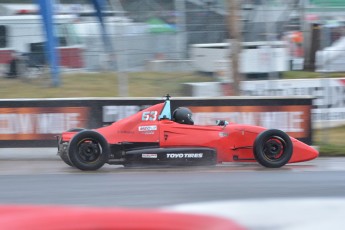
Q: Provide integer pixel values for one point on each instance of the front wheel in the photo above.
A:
(88, 150)
(273, 148)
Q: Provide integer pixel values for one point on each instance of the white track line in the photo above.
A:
(287, 214)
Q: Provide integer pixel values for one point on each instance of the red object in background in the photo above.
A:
(296, 46)
(299, 52)
(71, 57)
(17, 217)
(297, 37)
(228, 89)
(5, 56)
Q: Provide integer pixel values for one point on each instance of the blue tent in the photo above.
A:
(46, 10)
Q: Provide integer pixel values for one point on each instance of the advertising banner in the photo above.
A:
(40, 123)
(328, 105)
(37, 123)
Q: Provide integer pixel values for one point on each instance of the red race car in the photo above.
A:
(158, 137)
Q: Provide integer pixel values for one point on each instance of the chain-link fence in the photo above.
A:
(142, 31)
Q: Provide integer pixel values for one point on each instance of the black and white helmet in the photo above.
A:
(183, 115)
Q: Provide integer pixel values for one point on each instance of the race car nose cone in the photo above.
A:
(310, 153)
(313, 153)
(303, 152)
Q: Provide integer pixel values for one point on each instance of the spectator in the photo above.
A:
(13, 67)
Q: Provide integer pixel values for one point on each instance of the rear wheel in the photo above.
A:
(273, 148)
(64, 158)
(64, 155)
(88, 150)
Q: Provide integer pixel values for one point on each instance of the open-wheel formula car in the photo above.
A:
(156, 136)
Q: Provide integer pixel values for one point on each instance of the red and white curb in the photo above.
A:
(287, 214)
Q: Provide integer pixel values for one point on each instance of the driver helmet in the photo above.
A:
(183, 115)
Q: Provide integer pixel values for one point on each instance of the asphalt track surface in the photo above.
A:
(308, 195)
(47, 180)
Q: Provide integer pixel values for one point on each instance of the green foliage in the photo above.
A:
(332, 150)
(306, 75)
(330, 141)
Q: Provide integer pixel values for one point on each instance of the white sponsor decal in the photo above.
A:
(184, 155)
(147, 128)
(149, 155)
(223, 134)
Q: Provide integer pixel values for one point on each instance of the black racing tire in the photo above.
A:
(273, 148)
(88, 150)
(64, 156)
